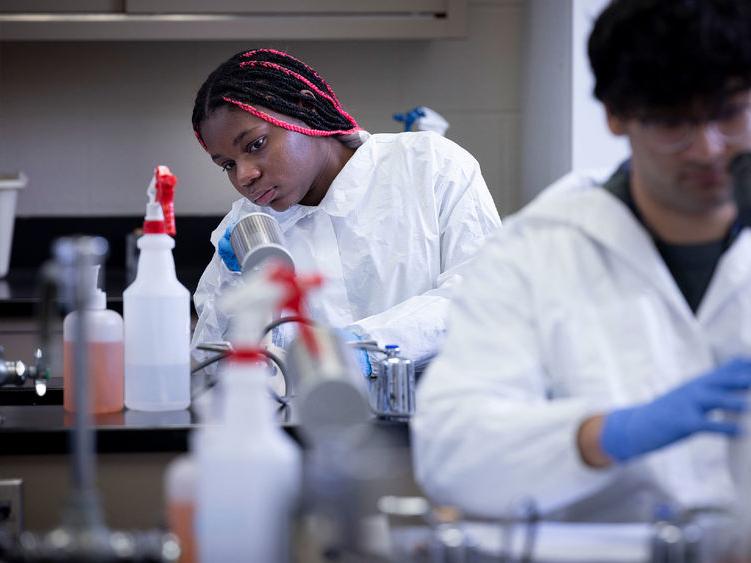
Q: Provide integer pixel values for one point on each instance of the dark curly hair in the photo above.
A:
(662, 57)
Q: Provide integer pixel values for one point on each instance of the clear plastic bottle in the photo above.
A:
(104, 351)
(156, 307)
(249, 475)
(248, 468)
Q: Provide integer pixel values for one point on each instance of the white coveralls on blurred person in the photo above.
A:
(405, 212)
(598, 352)
(569, 311)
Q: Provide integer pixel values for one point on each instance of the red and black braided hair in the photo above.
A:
(275, 80)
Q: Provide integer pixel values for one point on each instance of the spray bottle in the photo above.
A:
(156, 307)
(248, 468)
(104, 330)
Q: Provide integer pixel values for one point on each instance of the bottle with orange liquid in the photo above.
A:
(104, 349)
(179, 491)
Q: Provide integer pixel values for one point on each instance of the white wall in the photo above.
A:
(88, 121)
(546, 75)
(592, 145)
(563, 127)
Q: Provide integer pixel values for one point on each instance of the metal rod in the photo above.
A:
(290, 319)
(75, 257)
(83, 437)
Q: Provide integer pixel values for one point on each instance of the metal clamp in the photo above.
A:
(17, 373)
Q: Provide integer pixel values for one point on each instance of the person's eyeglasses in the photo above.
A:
(670, 136)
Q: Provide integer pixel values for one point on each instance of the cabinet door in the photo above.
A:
(285, 6)
(60, 6)
(225, 20)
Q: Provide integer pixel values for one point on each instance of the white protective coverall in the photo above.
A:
(389, 236)
(567, 312)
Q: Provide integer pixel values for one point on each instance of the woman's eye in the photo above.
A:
(257, 144)
(227, 166)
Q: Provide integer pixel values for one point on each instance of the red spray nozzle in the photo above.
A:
(165, 195)
(248, 354)
(297, 288)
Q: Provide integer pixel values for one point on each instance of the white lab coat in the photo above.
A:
(389, 236)
(570, 311)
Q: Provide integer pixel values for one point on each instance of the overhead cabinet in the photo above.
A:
(165, 20)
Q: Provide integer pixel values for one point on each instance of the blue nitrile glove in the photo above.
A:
(362, 355)
(631, 432)
(225, 251)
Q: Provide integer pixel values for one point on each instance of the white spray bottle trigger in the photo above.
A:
(154, 210)
(252, 305)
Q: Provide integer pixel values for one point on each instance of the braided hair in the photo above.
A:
(275, 80)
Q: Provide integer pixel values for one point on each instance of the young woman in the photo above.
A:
(387, 219)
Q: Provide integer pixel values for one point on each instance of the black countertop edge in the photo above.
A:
(22, 433)
(47, 429)
(108, 440)
(26, 395)
(19, 308)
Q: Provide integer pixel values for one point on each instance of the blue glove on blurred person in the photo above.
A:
(226, 252)
(362, 355)
(631, 432)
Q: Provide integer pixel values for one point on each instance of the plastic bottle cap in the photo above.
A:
(95, 297)
(154, 220)
(392, 350)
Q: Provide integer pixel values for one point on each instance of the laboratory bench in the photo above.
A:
(32, 247)
(45, 429)
(133, 450)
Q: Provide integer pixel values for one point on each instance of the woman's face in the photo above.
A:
(269, 165)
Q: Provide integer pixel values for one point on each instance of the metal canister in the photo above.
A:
(328, 391)
(393, 386)
(676, 538)
(257, 237)
(450, 542)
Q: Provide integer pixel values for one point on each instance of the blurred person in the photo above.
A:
(598, 352)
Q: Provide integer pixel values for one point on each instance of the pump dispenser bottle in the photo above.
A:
(248, 468)
(156, 308)
(104, 345)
